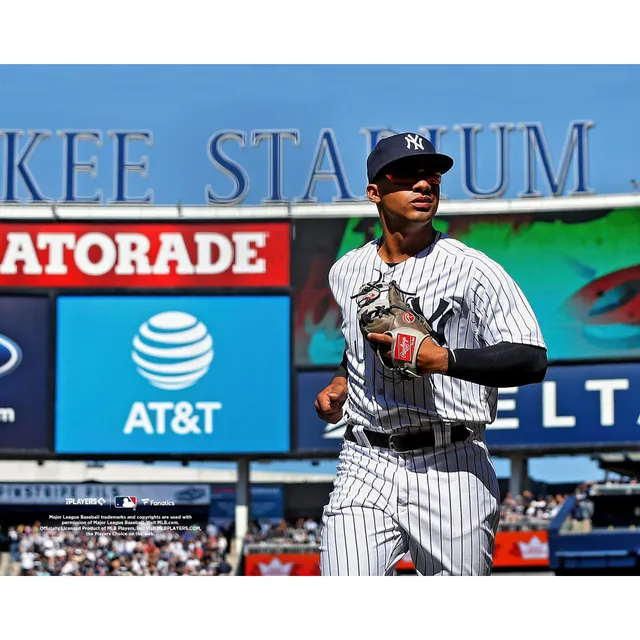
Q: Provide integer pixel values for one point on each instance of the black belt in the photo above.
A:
(405, 442)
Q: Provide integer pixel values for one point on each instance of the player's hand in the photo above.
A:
(431, 357)
(330, 401)
(382, 342)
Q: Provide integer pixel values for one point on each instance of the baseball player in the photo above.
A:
(432, 328)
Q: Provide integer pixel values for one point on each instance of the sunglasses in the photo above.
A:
(412, 176)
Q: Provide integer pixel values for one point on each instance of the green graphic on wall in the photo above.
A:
(580, 271)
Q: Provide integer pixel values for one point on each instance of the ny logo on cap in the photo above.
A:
(416, 141)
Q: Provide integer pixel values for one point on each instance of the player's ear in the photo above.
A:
(373, 193)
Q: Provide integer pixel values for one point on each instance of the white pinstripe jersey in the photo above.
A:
(469, 301)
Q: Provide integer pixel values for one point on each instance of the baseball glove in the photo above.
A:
(382, 309)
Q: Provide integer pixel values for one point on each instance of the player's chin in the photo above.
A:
(421, 211)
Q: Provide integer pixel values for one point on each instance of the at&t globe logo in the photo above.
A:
(172, 350)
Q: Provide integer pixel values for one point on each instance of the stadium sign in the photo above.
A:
(577, 408)
(25, 352)
(48, 493)
(144, 255)
(159, 375)
(226, 152)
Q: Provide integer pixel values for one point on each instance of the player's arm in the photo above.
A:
(501, 365)
(503, 320)
(341, 371)
(331, 399)
(504, 364)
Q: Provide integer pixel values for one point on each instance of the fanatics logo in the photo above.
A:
(404, 347)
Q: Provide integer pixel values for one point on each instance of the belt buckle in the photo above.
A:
(393, 446)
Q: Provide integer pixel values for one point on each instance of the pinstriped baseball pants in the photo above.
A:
(439, 504)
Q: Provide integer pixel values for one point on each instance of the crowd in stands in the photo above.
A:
(36, 552)
(526, 507)
(523, 511)
(33, 551)
(527, 511)
(304, 531)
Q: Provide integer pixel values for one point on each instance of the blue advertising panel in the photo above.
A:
(595, 406)
(24, 373)
(251, 134)
(575, 408)
(313, 433)
(267, 503)
(172, 375)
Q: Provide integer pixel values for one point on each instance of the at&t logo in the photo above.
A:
(172, 350)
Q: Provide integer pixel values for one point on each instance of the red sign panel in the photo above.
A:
(512, 549)
(521, 549)
(141, 255)
(282, 564)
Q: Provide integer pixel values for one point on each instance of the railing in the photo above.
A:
(358, 208)
(281, 547)
(524, 523)
(617, 489)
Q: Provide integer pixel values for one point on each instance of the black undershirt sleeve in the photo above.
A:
(341, 371)
(501, 365)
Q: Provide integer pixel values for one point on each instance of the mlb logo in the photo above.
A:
(125, 502)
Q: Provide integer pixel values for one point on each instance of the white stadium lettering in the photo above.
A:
(133, 259)
(247, 260)
(205, 243)
(20, 249)
(56, 243)
(173, 249)
(108, 254)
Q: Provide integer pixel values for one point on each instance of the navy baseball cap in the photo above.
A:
(402, 146)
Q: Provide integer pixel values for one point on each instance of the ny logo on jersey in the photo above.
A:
(438, 320)
(416, 141)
